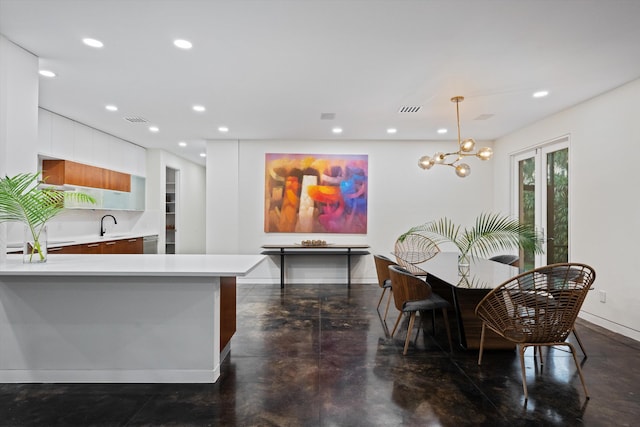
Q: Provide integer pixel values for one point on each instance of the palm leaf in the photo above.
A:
(490, 233)
(21, 200)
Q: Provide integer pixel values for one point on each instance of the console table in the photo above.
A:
(284, 250)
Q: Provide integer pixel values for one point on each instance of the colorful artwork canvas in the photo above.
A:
(307, 193)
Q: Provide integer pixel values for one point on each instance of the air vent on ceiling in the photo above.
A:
(327, 116)
(136, 119)
(409, 109)
(484, 117)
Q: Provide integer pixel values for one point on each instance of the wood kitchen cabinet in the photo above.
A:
(120, 246)
(124, 246)
(60, 172)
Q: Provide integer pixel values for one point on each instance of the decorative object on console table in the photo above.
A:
(313, 243)
(21, 200)
(490, 233)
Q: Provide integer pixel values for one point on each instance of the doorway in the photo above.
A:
(541, 199)
(172, 181)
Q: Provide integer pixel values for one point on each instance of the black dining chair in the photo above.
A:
(411, 295)
(513, 260)
(384, 279)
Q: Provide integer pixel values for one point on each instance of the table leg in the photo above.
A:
(349, 267)
(281, 269)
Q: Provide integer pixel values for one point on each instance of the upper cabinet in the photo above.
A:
(111, 190)
(61, 172)
(62, 138)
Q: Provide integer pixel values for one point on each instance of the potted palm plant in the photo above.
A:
(490, 233)
(23, 200)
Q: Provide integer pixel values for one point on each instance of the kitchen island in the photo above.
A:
(116, 318)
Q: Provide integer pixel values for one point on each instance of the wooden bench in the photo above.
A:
(345, 250)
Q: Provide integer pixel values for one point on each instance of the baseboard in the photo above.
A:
(612, 326)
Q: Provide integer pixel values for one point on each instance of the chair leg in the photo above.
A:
(446, 326)
(539, 354)
(521, 350)
(420, 326)
(412, 319)
(384, 290)
(396, 325)
(433, 323)
(388, 303)
(575, 334)
(481, 345)
(575, 359)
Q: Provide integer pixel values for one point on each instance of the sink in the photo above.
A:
(114, 236)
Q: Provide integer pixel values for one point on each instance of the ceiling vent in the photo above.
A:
(408, 109)
(136, 120)
(327, 116)
(484, 116)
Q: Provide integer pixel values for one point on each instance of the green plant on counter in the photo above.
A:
(490, 233)
(23, 200)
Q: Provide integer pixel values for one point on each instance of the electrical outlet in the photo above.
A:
(603, 296)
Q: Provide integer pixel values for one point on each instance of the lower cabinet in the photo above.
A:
(122, 246)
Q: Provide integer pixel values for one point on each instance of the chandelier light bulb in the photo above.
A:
(438, 158)
(468, 145)
(485, 153)
(425, 162)
(463, 170)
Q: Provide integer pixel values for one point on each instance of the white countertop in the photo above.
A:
(133, 265)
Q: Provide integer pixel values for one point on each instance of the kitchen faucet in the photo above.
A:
(102, 230)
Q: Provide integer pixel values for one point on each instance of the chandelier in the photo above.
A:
(465, 149)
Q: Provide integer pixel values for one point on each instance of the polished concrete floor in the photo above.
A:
(321, 356)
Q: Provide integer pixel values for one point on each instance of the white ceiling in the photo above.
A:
(269, 69)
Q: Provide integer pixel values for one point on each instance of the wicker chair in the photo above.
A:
(412, 294)
(415, 249)
(514, 261)
(537, 308)
(384, 280)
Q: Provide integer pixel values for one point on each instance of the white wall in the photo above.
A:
(18, 115)
(604, 207)
(401, 195)
(223, 197)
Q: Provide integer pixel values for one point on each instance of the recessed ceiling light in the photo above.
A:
(182, 144)
(442, 131)
(183, 44)
(203, 154)
(154, 128)
(199, 108)
(392, 130)
(47, 73)
(111, 107)
(223, 129)
(541, 94)
(336, 130)
(92, 42)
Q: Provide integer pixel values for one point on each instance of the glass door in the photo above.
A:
(541, 195)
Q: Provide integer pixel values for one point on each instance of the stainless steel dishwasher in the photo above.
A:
(150, 244)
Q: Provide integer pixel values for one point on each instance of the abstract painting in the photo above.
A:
(315, 193)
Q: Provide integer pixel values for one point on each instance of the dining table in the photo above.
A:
(464, 286)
